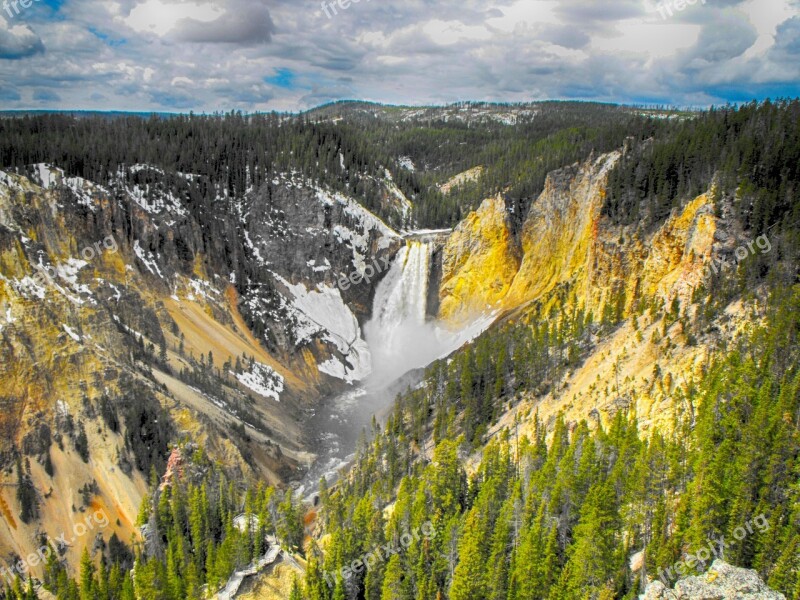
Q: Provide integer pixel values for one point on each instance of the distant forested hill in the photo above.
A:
(346, 147)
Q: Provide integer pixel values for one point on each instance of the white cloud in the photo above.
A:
(648, 39)
(223, 54)
(452, 32)
(18, 41)
(765, 17)
(160, 16)
(524, 14)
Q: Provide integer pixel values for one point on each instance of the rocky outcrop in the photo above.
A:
(487, 266)
(311, 236)
(565, 239)
(479, 262)
(559, 233)
(467, 176)
(317, 258)
(721, 582)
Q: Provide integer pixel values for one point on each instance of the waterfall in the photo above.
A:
(401, 295)
(399, 339)
(399, 336)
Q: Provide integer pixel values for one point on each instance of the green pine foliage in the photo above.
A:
(752, 152)
(561, 520)
(235, 153)
(190, 540)
(555, 516)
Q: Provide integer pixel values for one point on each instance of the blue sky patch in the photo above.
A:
(283, 78)
(111, 41)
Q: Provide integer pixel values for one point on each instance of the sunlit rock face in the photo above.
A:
(486, 266)
(722, 581)
(565, 255)
(479, 262)
(564, 238)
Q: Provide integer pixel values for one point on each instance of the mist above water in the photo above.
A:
(400, 337)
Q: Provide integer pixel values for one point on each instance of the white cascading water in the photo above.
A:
(396, 328)
(399, 336)
(402, 294)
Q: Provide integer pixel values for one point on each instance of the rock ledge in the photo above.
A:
(721, 582)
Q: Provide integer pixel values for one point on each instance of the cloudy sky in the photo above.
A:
(176, 55)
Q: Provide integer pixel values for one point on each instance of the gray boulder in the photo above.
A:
(721, 582)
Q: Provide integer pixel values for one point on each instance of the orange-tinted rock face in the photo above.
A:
(565, 239)
(568, 256)
(175, 464)
(479, 262)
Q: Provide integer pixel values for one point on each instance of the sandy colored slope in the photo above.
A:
(61, 504)
(194, 400)
(203, 333)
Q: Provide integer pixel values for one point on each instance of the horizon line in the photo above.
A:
(636, 105)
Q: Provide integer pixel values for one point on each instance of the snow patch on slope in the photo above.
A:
(407, 163)
(355, 210)
(322, 310)
(153, 197)
(46, 175)
(71, 332)
(85, 191)
(147, 259)
(405, 203)
(11, 183)
(263, 380)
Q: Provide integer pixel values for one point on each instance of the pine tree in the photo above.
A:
(594, 553)
(394, 587)
(469, 579)
(295, 593)
(87, 575)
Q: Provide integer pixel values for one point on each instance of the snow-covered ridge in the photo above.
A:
(405, 203)
(154, 198)
(48, 176)
(327, 197)
(359, 239)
